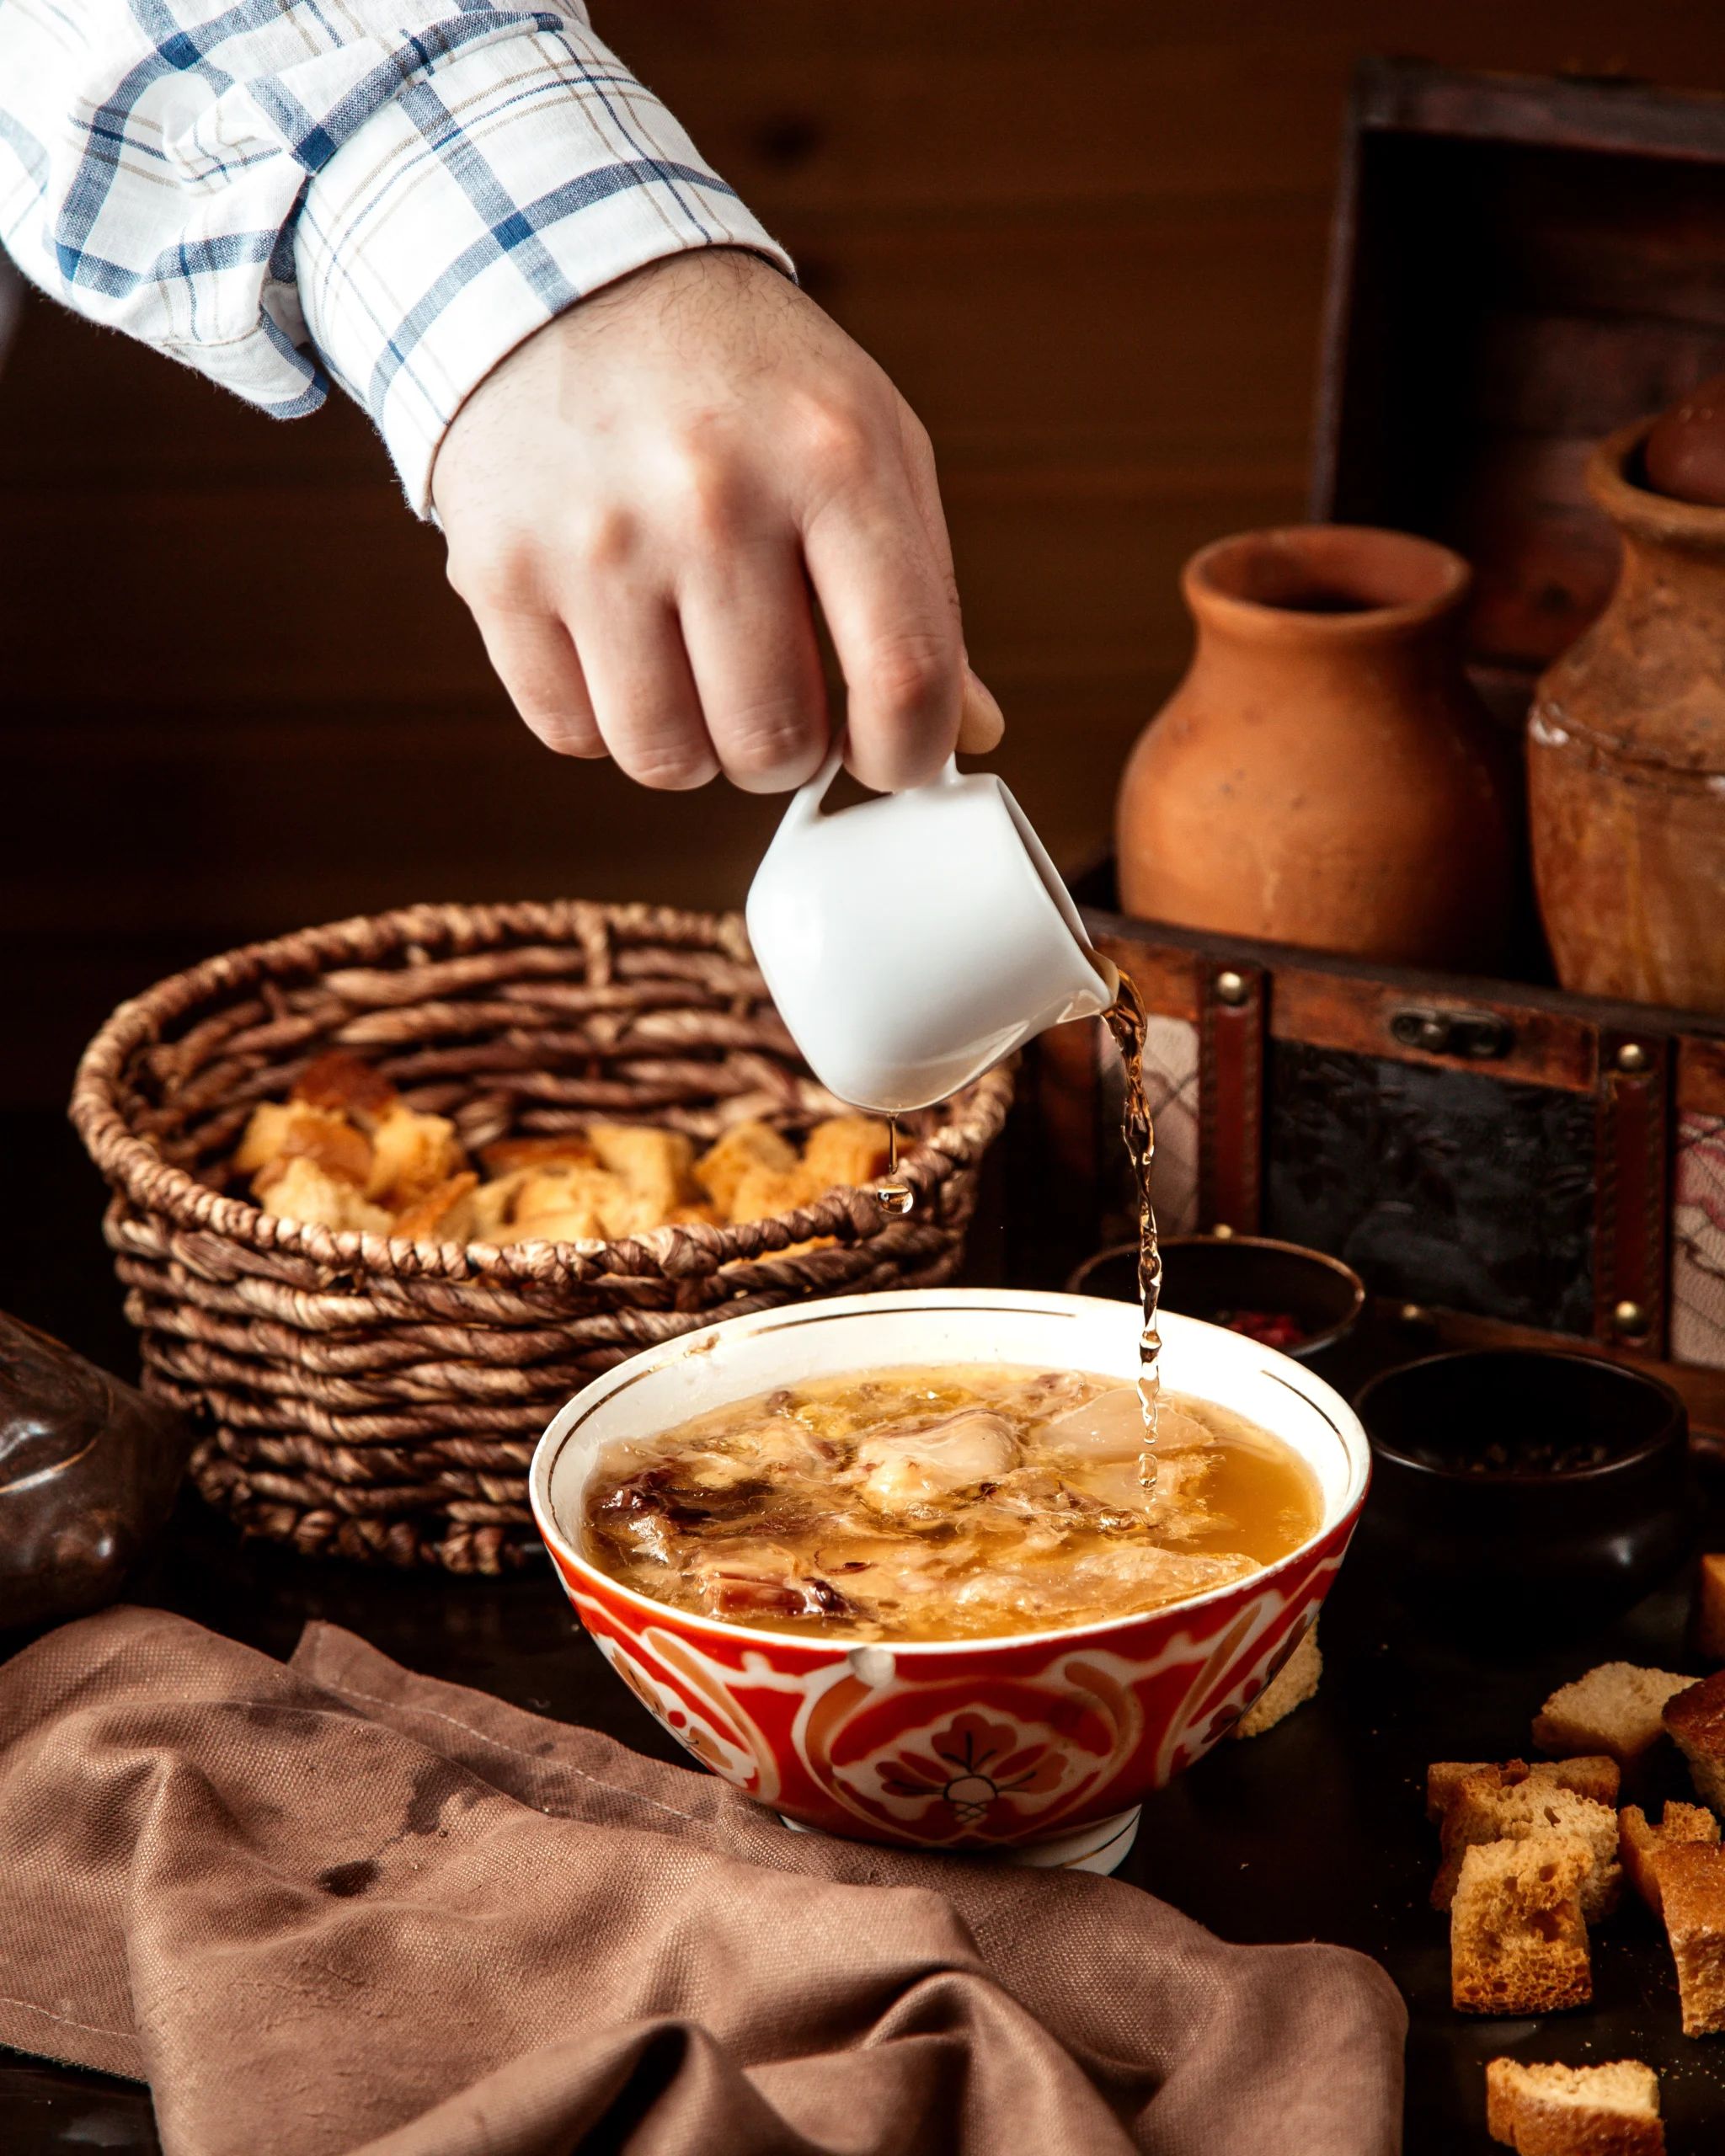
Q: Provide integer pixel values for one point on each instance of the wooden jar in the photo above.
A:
(1626, 759)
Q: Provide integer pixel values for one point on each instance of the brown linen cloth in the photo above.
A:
(329, 1907)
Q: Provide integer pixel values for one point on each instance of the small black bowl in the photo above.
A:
(1217, 1278)
(1545, 1490)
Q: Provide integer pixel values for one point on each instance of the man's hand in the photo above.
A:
(637, 502)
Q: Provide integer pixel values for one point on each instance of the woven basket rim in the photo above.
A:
(134, 1165)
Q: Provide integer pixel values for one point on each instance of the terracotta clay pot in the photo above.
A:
(1325, 775)
(1625, 759)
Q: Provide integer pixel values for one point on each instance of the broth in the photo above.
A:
(949, 1502)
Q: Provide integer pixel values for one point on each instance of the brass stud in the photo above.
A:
(1414, 1314)
(1629, 1319)
(1222, 1232)
(1633, 1056)
(1231, 988)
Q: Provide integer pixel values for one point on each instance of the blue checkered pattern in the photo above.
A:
(389, 193)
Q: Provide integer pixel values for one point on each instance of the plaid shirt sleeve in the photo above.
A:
(394, 193)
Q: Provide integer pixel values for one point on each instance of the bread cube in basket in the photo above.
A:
(374, 1397)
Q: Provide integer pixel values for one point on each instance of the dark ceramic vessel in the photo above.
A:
(89, 1469)
(1558, 1539)
(1210, 1277)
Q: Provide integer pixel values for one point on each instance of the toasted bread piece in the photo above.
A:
(1710, 1608)
(1291, 1686)
(706, 1215)
(505, 1155)
(1691, 1877)
(744, 1146)
(347, 1085)
(1640, 1841)
(1696, 1717)
(845, 1150)
(494, 1207)
(1487, 1809)
(1575, 2110)
(552, 1203)
(443, 1215)
(1517, 1940)
(1597, 1778)
(761, 1193)
(266, 1135)
(296, 1188)
(411, 1155)
(1615, 1708)
(658, 1167)
(278, 1129)
(1443, 1777)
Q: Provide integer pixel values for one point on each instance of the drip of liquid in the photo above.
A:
(1126, 1020)
(893, 1194)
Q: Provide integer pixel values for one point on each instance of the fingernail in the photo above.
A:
(981, 722)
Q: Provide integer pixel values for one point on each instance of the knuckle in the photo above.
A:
(669, 766)
(915, 673)
(706, 492)
(837, 442)
(770, 743)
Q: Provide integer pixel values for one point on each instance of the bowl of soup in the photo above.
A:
(905, 1567)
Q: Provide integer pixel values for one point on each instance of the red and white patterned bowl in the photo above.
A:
(970, 1744)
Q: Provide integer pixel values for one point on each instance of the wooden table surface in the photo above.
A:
(1315, 1831)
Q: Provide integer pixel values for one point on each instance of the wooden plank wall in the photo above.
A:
(1087, 242)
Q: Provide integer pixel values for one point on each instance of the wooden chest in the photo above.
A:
(1517, 267)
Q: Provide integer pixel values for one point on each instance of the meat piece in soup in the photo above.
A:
(952, 1502)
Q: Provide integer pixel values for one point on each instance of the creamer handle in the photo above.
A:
(805, 802)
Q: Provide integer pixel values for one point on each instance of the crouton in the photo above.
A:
(566, 1202)
(761, 1193)
(1597, 1778)
(658, 1167)
(411, 1155)
(265, 1134)
(296, 1188)
(1692, 1885)
(443, 1215)
(1640, 1841)
(1696, 1717)
(348, 1086)
(1575, 2110)
(1710, 1608)
(278, 1129)
(1517, 1940)
(493, 1206)
(847, 1150)
(1486, 1809)
(745, 1145)
(1614, 1709)
(1292, 1685)
(505, 1155)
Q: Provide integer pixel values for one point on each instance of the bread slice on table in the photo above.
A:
(1710, 1608)
(1575, 2110)
(1292, 1685)
(1486, 1809)
(1691, 1879)
(1614, 1709)
(1696, 1717)
(1518, 1939)
(1639, 1841)
(1595, 1777)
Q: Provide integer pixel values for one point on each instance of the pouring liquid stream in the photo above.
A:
(1124, 1019)
(893, 1194)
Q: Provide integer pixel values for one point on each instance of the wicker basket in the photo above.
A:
(381, 1399)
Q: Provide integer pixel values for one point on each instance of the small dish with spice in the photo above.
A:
(1545, 1490)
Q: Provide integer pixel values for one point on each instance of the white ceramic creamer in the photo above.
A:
(911, 942)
